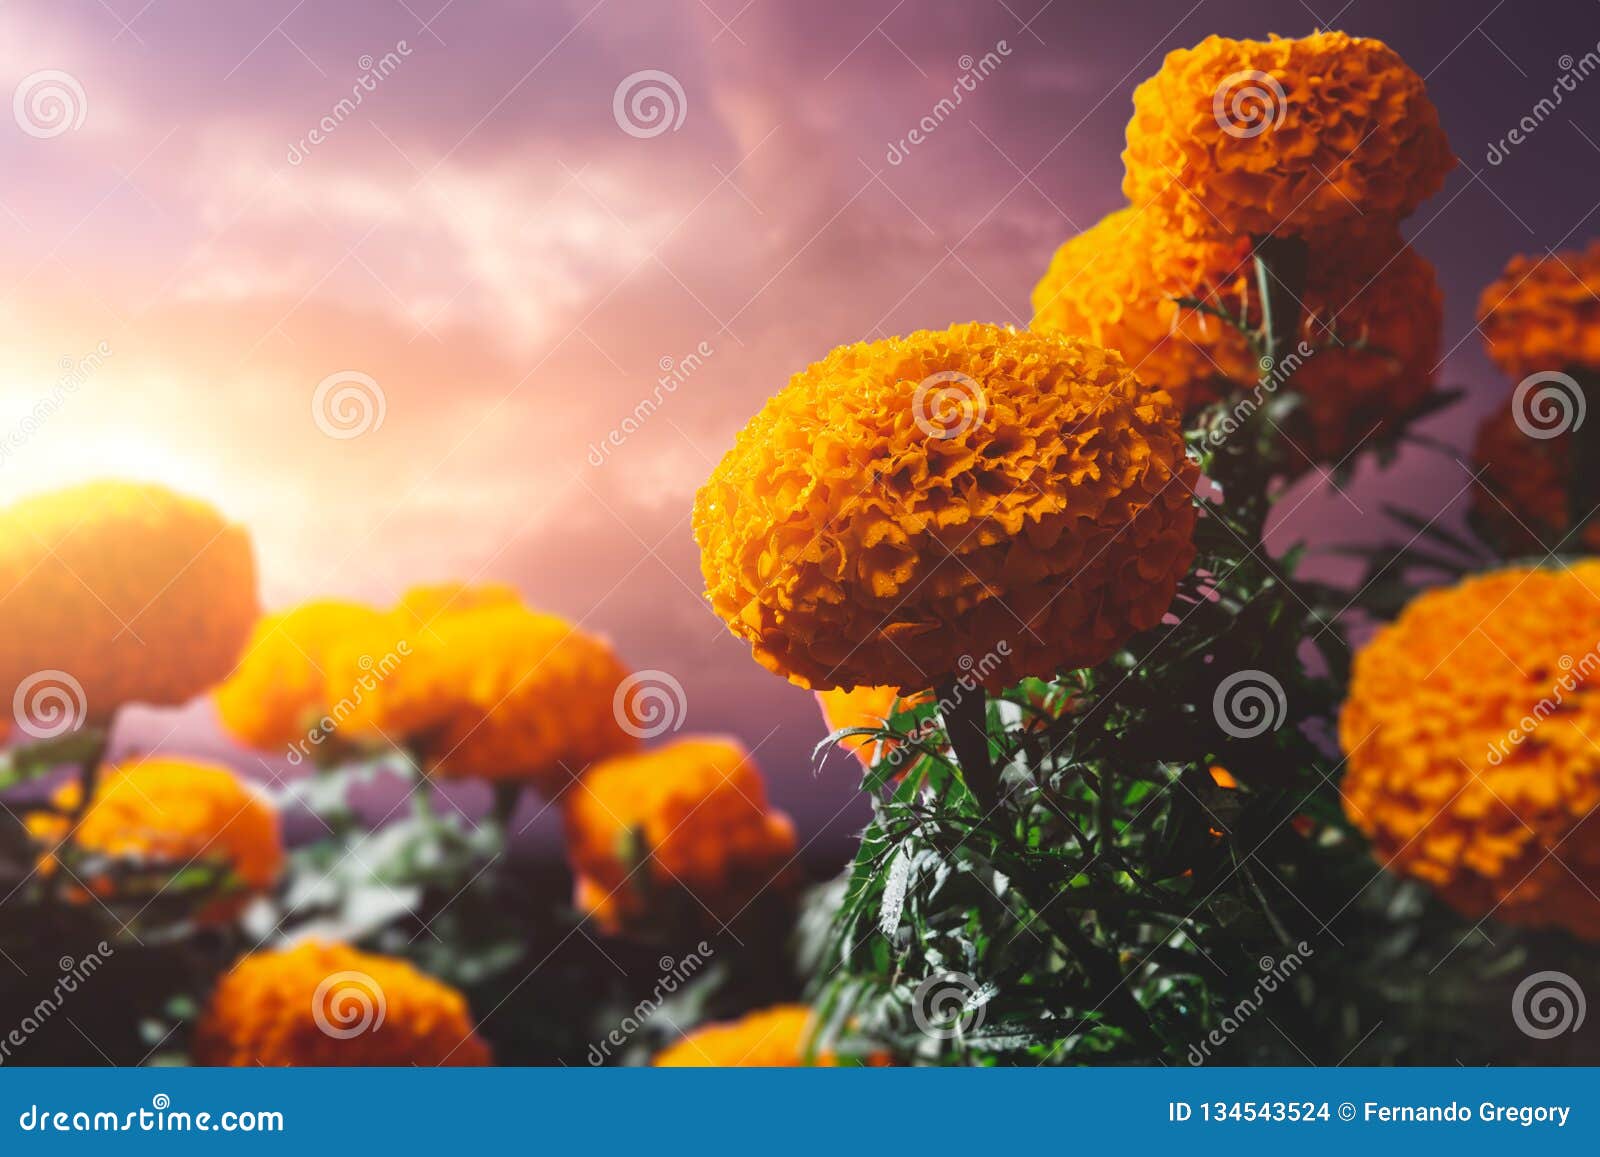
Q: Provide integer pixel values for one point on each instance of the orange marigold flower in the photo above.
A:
(1544, 313)
(1390, 320)
(280, 688)
(175, 813)
(906, 505)
(137, 593)
(320, 1004)
(421, 605)
(1261, 137)
(1467, 728)
(863, 707)
(692, 817)
(494, 691)
(1520, 503)
(1118, 284)
(771, 1038)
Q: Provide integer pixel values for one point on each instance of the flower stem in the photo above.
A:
(966, 721)
(1584, 490)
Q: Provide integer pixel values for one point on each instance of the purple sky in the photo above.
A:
(482, 239)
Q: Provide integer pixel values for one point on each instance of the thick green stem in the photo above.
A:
(506, 797)
(966, 721)
(1584, 491)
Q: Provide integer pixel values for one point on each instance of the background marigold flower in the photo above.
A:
(1543, 313)
(1467, 726)
(1269, 136)
(972, 500)
(863, 707)
(1390, 321)
(1117, 284)
(421, 605)
(1521, 500)
(320, 1004)
(691, 816)
(138, 593)
(280, 688)
(175, 813)
(770, 1038)
(497, 692)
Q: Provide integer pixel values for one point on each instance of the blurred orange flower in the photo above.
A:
(176, 813)
(1520, 502)
(280, 688)
(699, 813)
(974, 500)
(771, 1038)
(1543, 313)
(135, 592)
(489, 689)
(1467, 726)
(320, 1004)
(863, 707)
(1269, 136)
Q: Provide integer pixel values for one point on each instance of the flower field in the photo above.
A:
(1140, 779)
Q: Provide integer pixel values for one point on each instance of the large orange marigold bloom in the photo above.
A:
(280, 688)
(771, 1038)
(176, 813)
(138, 593)
(496, 691)
(1470, 764)
(691, 816)
(1521, 501)
(1260, 137)
(1118, 284)
(322, 1004)
(971, 498)
(1543, 312)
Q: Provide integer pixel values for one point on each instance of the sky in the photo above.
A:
(386, 280)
